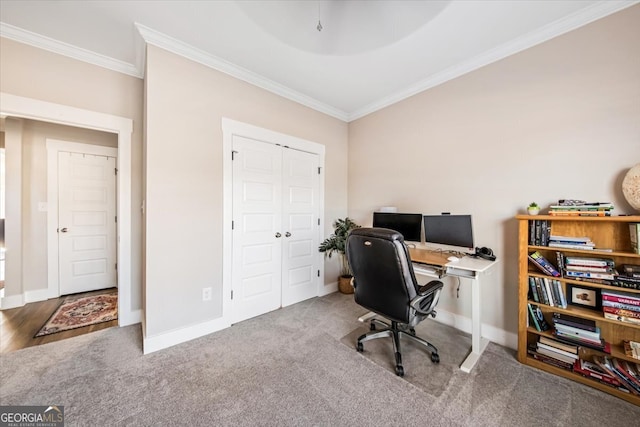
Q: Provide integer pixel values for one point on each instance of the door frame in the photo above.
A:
(229, 129)
(55, 146)
(34, 109)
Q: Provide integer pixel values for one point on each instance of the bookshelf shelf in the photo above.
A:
(606, 232)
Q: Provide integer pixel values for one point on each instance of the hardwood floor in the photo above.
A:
(19, 325)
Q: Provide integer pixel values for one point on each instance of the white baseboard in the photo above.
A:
(38, 295)
(12, 301)
(178, 336)
(328, 289)
(130, 318)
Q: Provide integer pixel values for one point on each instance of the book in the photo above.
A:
(621, 297)
(588, 261)
(590, 275)
(634, 231)
(570, 246)
(547, 286)
(602, 346)
(571, 348)
(543, 264)
(532, 289)
(628, 307)
(556, 355)
(577, 333)
(553, 212)
(576, 322)
(549, 360)
(621, 312)
(569, 239)
(563, 297)
(589, 269)
(630, 268)
(631, 349)
(542, 293)
(624, 319)
(557, 350)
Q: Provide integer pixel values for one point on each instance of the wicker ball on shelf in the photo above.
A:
(631, 187)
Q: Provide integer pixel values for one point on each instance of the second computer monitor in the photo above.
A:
(450, 230)
(407, 224)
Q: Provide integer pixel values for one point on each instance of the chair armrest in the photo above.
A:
(428, 295)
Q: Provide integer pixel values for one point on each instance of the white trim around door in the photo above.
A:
(229, 129)
(33, 109)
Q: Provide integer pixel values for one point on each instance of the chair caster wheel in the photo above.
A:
(435, 357)
(359, 347)
(372, 326)
(399, 371)
(412, 332)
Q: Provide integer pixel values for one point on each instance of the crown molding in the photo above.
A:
(65, 49)
(185, 50)
(597, 11)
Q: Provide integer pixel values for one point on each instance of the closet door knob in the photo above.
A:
(64, 230)
(278, 235)
(287, 234)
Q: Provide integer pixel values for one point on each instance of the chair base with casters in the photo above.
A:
(396, 330)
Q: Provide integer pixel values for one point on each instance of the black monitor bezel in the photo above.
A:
(418, 223)
(464, 240)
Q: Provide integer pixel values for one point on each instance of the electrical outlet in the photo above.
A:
(206, 294)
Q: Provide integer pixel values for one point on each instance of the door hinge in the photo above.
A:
(116, 265)
(233, 154)
(318, 221)
(319, 168)
(116, 170)
(232, 294)
(233, 224)
(318, 273)
(116, 218)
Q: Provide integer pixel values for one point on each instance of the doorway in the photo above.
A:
(81, 218)
(269, 239)
(21, 107)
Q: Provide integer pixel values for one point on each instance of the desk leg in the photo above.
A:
(478, 343)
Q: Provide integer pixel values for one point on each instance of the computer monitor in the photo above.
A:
(407, 224)
(451, 230)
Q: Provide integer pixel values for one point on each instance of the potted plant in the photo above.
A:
(337, 243)
(533, 208)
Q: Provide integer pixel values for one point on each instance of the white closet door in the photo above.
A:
(87, 222)
(300, 210)
(257, 237)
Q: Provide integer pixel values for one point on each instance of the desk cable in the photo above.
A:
(458, 288)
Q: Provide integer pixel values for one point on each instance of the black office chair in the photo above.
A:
(384, 283)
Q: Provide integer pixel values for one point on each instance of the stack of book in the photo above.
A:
(543, 264)
(578, 267)
(621, 306)
(628, 373)
(547, 291)
(581, 209)
(628, 276)
(579, 331)
(566, 242)
(595, 372)
(555, 353)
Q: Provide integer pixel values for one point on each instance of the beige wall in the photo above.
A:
(560, 120)
(35, 73)
(185, 103)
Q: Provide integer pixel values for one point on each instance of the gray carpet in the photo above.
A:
(290, 368)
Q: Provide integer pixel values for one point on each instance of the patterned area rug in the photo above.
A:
(77, 312)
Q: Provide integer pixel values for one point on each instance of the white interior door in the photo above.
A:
(300, 209)
(86, 222)
(257, 237)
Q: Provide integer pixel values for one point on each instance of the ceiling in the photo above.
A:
(368, 54)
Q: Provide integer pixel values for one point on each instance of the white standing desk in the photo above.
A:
(435, 265)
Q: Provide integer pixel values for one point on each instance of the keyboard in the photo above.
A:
(425, 269)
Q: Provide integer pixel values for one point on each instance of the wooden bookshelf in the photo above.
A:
(606, 232)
